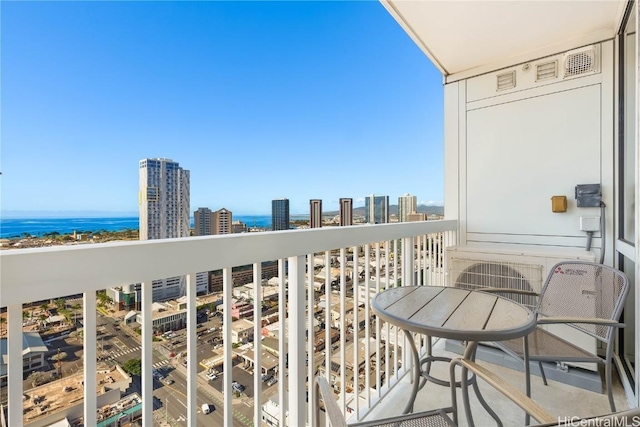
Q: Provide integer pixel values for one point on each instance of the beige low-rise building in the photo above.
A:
(241, 331)
(168, 316)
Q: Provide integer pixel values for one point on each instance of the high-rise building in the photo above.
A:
(315, 213)
(406, 204)
(376, 209)
(222, 221)
(280, 214)
(202, 222)
(346, 211)
(164, 213)
(164, 199)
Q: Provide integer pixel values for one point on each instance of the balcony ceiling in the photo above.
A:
(464, 38)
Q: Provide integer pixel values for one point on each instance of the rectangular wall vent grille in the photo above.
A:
(548, 70)
(579, 62)
(506, 81)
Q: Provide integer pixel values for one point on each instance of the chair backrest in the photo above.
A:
(323, 390)
(579, 289)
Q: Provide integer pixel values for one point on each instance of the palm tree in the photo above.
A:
(60, 303)
(75, 309)
(42, 318)
(103, 299)
(44, 307)
(66, 314)
(58, 358)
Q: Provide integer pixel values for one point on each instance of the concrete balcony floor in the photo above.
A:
(558, 399)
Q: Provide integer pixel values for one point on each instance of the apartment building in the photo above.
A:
(407, 204)
(376, 209)
(164, 212)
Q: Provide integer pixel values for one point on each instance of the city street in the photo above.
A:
(118, 343)
(170, 402)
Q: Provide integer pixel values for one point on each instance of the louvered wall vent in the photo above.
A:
(547, 70)
(506, 81)
(581, 61)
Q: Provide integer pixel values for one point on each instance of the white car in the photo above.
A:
(212, 376)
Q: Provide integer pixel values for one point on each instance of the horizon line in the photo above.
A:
(83, 213)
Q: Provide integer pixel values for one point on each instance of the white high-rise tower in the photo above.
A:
(164, 213)
(164, 199)
(406, 204)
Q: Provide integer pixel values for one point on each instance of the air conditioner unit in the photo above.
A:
(519, 267)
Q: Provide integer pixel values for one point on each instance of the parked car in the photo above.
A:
(238, 387)
(272, 381)
(266, 377)
(212, 376)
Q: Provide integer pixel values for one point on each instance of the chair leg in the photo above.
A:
(527, 375)
(607, 371)
(544, 377)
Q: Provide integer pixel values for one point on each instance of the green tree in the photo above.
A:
(44, 307)
(66, 313)
(133, 366)
(2, 322)
(60, 303)
(104, 300)
(42, 319)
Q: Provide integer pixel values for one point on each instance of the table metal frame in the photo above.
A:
(519, 325)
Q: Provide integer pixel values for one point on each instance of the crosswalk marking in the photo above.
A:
(159, 364)
(118, 353)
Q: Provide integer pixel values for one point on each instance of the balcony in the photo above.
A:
(378, 255)
(358, 260)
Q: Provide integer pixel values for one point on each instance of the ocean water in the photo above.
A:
(16, 227)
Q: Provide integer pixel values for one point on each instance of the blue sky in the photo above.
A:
(259, 100)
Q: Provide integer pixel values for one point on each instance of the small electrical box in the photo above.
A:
(588, 195)
(589, 223)
(558, 203)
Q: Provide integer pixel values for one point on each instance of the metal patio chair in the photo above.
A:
(629, 417)
(432, 418)
(586, 296)
(445, 416)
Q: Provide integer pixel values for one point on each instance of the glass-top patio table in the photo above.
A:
(447, 312)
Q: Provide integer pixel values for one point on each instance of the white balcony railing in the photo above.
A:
(374, 256)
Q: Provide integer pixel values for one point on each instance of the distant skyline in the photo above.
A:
(259, 100)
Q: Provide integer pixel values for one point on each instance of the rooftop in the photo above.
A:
(57, 395)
